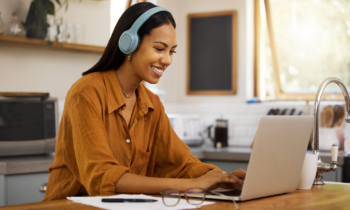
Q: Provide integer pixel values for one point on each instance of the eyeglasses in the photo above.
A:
(194, 196)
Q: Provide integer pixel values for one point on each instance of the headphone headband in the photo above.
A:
(145, 16)
(129, 40)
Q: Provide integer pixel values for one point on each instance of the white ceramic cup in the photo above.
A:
(308, 172)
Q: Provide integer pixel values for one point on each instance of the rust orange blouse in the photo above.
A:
(95, 146)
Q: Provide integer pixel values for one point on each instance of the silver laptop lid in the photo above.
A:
(278, 154)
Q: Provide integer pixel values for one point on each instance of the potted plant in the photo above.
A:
(36, 21)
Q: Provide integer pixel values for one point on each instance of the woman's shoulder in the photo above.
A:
(154, 99)
(89, 86)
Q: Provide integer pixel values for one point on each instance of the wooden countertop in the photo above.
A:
(329, 196)
(26, 164)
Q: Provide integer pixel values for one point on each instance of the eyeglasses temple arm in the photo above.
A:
(226, 197)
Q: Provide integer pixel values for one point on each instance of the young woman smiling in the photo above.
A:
(114, 135)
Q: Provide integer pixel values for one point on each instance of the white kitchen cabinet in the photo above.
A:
(22, 188)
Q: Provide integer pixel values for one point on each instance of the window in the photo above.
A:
(299, 45)
(117, 7)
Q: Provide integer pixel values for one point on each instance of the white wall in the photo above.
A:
(37, 70)
(25, 69)
(174, 79)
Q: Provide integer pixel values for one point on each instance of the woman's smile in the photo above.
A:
(158, 71)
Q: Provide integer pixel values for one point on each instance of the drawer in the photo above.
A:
(24, 188)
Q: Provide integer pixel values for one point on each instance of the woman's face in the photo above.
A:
(155, 53)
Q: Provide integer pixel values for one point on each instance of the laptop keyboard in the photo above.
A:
(227, 192)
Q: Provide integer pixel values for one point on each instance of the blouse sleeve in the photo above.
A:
(173, 157)
(90, 160)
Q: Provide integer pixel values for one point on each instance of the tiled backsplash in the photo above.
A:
(243, 119)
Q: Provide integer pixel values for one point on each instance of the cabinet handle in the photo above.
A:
(42, 188)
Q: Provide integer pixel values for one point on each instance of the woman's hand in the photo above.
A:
(240, 173)
(218, 178)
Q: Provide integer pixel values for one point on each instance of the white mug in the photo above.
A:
(308, 172)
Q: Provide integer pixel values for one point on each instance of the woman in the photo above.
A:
(114, 135)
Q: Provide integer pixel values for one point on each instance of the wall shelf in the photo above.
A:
(43, 44)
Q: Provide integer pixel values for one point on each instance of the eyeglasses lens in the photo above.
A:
(171, 197)
(195, 196)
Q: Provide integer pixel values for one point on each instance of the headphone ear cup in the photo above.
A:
(134, 44)
(128, 42)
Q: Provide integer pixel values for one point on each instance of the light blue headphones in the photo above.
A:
(129, 40)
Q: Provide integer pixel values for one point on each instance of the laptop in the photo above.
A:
(276, 160)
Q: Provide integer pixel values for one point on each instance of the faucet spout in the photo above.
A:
(317, 104)
(321, 166)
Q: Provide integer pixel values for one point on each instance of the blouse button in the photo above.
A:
(128, 141)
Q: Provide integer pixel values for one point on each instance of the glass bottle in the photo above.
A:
(15, 26)
(52, 30)
(70, 33)
(61, 30)
(1, 26)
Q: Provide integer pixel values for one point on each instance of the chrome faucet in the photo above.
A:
(321, 166)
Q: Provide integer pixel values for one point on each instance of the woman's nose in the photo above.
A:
(166, 59)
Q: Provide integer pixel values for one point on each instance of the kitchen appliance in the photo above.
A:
(221, 133)
(28, 125)
(187, 128)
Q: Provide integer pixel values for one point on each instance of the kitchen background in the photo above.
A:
(28, 69)
(37, 70)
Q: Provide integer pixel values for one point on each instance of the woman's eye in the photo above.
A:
(159, 49)
(173, 51)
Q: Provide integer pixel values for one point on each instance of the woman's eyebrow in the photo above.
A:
(164, 44)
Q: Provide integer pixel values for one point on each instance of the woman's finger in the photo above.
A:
(238, 182)
(217, 177)
(240, 173)
(231, 178)
(233, 175)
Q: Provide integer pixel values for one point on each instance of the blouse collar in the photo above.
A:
(115, 97)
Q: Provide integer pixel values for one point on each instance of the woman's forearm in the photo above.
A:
(132, 183)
